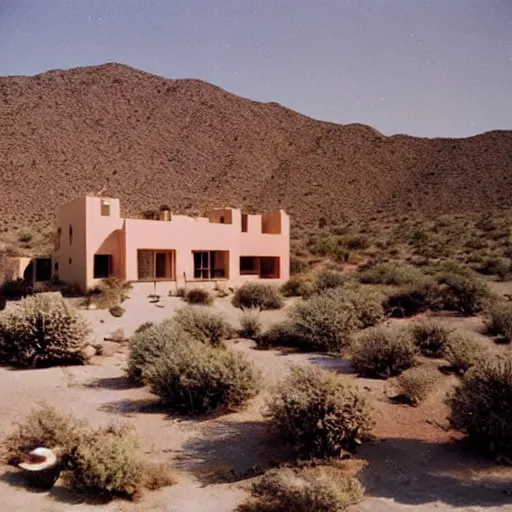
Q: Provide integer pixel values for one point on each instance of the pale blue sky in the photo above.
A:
(423, 67)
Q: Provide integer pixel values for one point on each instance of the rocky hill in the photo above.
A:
(192, 145)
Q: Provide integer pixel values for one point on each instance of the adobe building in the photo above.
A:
(93, 241)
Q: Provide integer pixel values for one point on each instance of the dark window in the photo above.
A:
(248, 265)
(43, 269)
(222, 220)
(70, 234)
(209, 264)
(70, 261)
(102, 266)
(244, 223)
(56, 266)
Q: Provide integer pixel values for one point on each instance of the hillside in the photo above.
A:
(192, 145)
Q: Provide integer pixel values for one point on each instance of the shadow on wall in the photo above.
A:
(413, 472)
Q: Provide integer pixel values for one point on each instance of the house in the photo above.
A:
(93, 242)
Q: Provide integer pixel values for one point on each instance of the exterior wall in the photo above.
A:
(72, 259)
(94, 233)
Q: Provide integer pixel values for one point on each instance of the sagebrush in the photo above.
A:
(499, 321)
(431, 338)
(199, 296)
(258, 295)
(250, 324)
(464, 350)
(416, 383)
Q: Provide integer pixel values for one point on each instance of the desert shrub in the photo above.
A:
(500, 267)
(44, 426)
(203, 325)
(257, 295)
(324, 322)
(106, 464)
(181, 292)
(66, 289)
(482, 405)
(318, 414)
(413, 299)
(463, 292)
(117, 311)
(143, 326)
(430, 337)
(417, 383)
(196, 378)
(156, 476)
(298, 266)
(499, 321)
(297, 287)
(42, 330)
(306, 490)
(148, 345)
(383, 351)
(391, 274)
(16, 289)
(325, 244)
(25, 236)
(464, 350)
(199, 296)
(327, 280)
(111, 292)
(281, 334)
(250, 324)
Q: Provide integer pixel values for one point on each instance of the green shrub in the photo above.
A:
(383, 351)
(298, 266)
(500, 267)
(482, 406)
(499, 321)
(196, 378)
(106, 464)
(392, 274)
(318, 414)
(116, 311)
(199, 296)
(42, 330)
(324, 322)
(328, 280)
(148, 345)
(325, 244)
(281, 334)
(417, 383)
(65, 289)
(257, 295)
(203, 325)
(143, 326)
(464, 350)
(156, 476)
(111, 292)
(297, 287)
(411, 300)
(465, 293)
(250, 324)
(431, 338)
(319, 489)
(44, 426)
(16, 289)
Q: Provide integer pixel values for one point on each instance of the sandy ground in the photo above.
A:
(417, 464)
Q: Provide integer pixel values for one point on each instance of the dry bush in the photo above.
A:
(16, 289)
(413, 299)
(383, 351)
(499, 321)
(328, 280)
(111, 292)
(148, 345)
(393, 274)
(430, 337)
(42, 330)
(143, 326)
(196, 378)
(297, 287)
(418, 382)
(156, 476)
(500, 267)
(482, 405)
(199, 296)
(464, 292)
(46, 427)
(257, 295)
(318, 414)
(66, 289)
(281, 334)
(464, 350)
(250, 324)
(203, 325)
(324, 322)
(303, 490)
(106, 464)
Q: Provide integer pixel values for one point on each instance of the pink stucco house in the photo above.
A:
(93, 241)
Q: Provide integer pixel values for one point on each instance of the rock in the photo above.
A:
(89, 351)
(92, 306)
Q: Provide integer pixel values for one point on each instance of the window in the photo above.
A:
(102, 266)
(153, 264)
(266, 267)
(249, 265)
(43, 269)
(70, 235)
(58, 237)
(244, 223)
(210, 264)
(56, 267)
(70, 261)
(105, 208)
